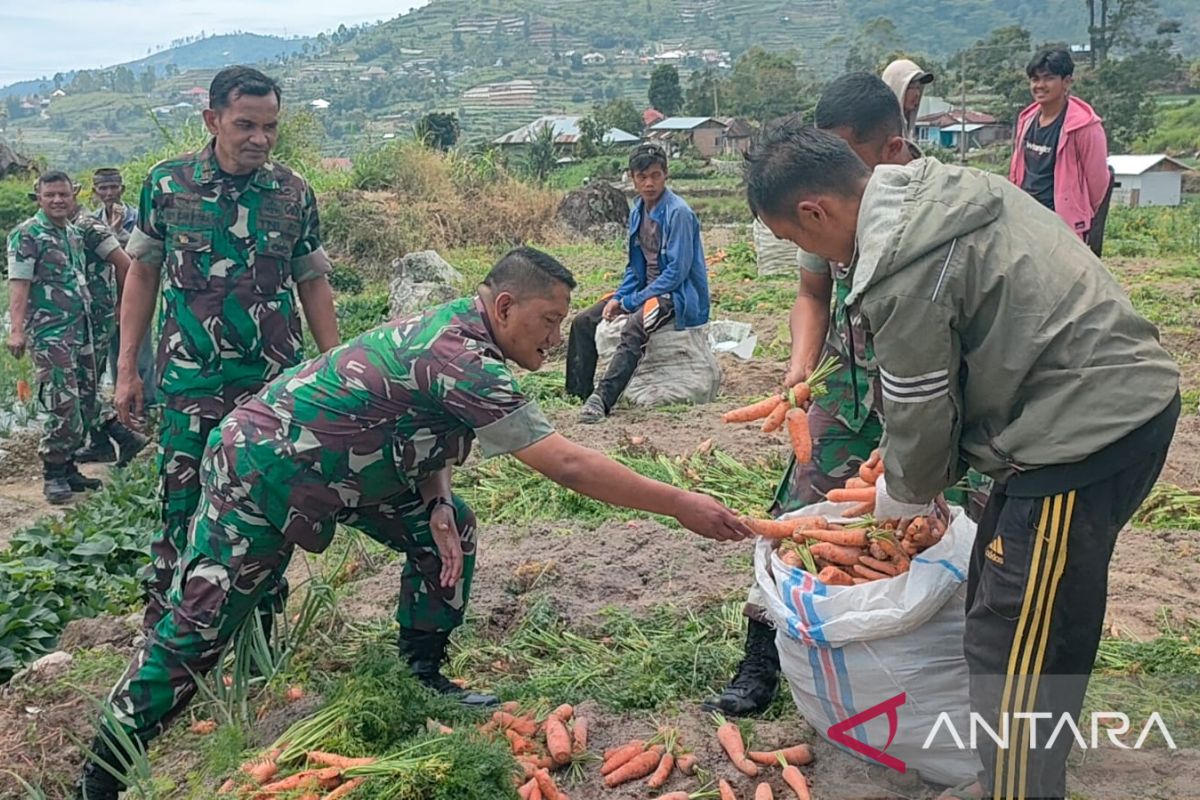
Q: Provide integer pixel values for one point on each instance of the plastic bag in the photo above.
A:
(775, 256)
(678, 367)
(847, 649)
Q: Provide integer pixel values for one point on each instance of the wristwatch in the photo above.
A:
(438, 501)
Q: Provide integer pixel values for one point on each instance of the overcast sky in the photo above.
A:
(41, 38)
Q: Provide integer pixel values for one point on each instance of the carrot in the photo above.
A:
(546, 784)
(730, 738)
(525, 790)
(792, 559)
(846, 537)
(771, 528)
(763, 792)
(800, 394)
(558, 741)
(850, 495)
(686, 763)
(24, 393)
(830, 576)
(874, 461)
(302, 780)
(799, 755)
(726, 790)
(622, 755)
(860, 510)
(295, 693)
(261, 773)
(345, 789)
(868, 573)
(511, 706)
(887, 568)
(522, 725)
(762, 408)
(805, 523)
(563, 712)
(774, 420)
(674, 796)
(836, 554)
(639, 766)
(857, 483)
(660, 776)
(579, 733)
(797, 425)
(203, 727)
(612, 751)
(309, 796)
(335, 760)
(867, 475)
(227, 787)
(796, 781)
(519, 743)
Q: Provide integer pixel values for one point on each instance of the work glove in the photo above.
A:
(888, 508)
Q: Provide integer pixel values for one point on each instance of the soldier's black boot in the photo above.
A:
(753, 687)
(129, 442)
(55, 487)
(100, 451)
(97, 783)
(78, 481)
(425, 651)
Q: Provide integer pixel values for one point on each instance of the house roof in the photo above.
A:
(954, 117)
(651, 116)
(681, 123)
(566, 131)
(1137, 165)
(958, 127)
(735, 127)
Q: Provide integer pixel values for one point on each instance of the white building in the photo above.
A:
(1155, 180)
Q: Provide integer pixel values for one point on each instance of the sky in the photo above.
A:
(41, 38)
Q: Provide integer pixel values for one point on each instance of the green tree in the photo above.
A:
(765, 85)
(665, 92)
(869, 51)
(707, 94)
(994, 67)
(619, 113)
(438, 129)
(1123, 91)
(541, 154)
(591, 135)
(147, 80)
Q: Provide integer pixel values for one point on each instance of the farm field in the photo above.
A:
(621, 614)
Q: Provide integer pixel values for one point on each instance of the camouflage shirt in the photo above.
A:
(372, 418)
(231, 251)
(99, 242)
(52, 259)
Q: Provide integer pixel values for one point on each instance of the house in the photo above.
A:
(594, 59)
(736, 139)
(58, 93)
(652, 115)
(375, 73)
(1154, 180)
(319, 104)
(566, 133)
(946, 129)
(196, 94)
(704, 134)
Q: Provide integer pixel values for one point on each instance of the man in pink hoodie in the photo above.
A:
(1060, 155)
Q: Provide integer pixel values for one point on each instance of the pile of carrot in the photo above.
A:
(788, 409)
(847, 555)
(541, 747)
(323, 778)
(751, 763)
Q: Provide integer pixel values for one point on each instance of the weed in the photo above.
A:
(1170, 508)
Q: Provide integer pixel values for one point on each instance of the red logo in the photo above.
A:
(839, 732)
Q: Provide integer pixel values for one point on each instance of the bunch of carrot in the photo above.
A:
(750, 763)
(655, 760)
(540, 747)
(324, 777)
(789, 409)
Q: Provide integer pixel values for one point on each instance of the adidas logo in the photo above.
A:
(995, 551)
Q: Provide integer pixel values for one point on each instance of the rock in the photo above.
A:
(52, 662)
(406, 298)
(92, 632)
(598, 211)
(12, 164)
(425, 266)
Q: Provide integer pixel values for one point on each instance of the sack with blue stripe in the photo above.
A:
(847, 650)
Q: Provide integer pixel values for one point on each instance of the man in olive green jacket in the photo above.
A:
(1003, 344)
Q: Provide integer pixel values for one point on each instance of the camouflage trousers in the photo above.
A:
(233, 558)
(66, 381)
(101, 412)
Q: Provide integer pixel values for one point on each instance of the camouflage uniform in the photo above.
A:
(99, 242)
(231, 251)
(346, 438)
(56, 320)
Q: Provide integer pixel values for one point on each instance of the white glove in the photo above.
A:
(887, 508)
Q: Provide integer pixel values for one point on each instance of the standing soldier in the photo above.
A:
(48, 305)
(368, 435)
(105, 267)
(109, 188)
(229, 235)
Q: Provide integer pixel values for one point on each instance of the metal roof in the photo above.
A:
(1136, 165)
(680, 123)
(566, 131)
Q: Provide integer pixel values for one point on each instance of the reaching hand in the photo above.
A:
(707, 517)
(445, 536)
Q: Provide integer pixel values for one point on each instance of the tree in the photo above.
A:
(541, 154)
(871, 48)
(147, 80)
(591, 135)
(706, 94)
(438, 129)
(665, 93)
(619, 113)
(1116, 24)
(765, 85)
(1123, 90)
(58, 80)
(994, 66)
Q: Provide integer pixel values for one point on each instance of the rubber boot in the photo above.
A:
(425, 651)
(100, 451)
(753, 687)
(129, 442)
(96, 783)
(78, 481)
(54, 484)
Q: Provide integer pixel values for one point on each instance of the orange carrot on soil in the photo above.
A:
(335, 760)
(674, 796)
(24, 393)
(796, 781)
(846, 537)
(726, 790)
(686, 763)
(730, 738)
(579, 733)
(850, 495)
(759, 410)
(830, 576)
(763, 792)
(227, 787)
(836, 554)
(307, 779)
(203, 727)
(799, 755)
(295, 693)
(263, 772)
(511, 706)
(622, 755)
(558, 741)
(563, 712)
(519, 744)
(546, 784)
(663, 772)
(343, 790)
(639, 766)
(526, 789)
(774, 420)
(797, 425)
(522, 725)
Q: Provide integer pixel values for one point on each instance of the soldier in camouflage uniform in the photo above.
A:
(48, 304)
(845, 422)
(105, 268)
(367, 435)
(235, 238)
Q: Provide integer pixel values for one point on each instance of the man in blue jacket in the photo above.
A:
(665, 282)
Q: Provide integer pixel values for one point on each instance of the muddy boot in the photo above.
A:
(129, 442)
(54, 484)
(425, 652)
(592, 411)
(78, 481)
(96, 783)
(753, 687)
(100, 451)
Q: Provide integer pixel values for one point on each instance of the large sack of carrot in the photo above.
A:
(847, 648)
(679, 366)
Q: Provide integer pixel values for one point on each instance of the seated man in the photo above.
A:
(666, 281)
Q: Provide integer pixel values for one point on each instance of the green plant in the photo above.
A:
(345, 279)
